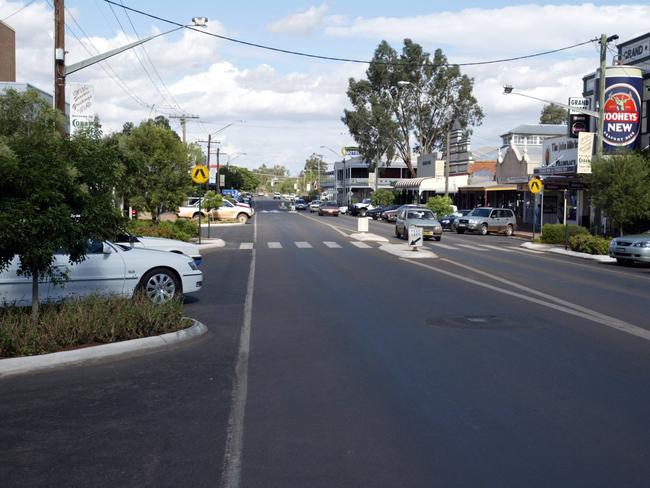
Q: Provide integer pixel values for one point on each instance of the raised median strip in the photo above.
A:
(559, 250)
(32, 364)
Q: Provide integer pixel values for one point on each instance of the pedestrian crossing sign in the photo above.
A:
(200, 174)
(535, 185)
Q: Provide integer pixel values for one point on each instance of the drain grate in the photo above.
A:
(476, 322)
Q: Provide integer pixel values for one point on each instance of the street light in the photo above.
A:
(61, 71)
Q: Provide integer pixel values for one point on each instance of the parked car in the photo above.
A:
(231, 211)
(448, 221)
(191, 211)
(377, 213)
(300, 204)
(314, 205)
(391, 215)
(361, 208)
(329, 208)
(487, 219)
(343, 209)
(109, 269)
(628, 249)
(161, 244)
(418, 217)
(277, 196)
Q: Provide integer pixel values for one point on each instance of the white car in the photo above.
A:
(109, 269)
(161, 244)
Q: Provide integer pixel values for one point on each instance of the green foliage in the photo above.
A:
(158, 166)
(212, 200)
(589, 244)
(553, 114)
(287, 186)
(382, 197)
(239, 178)
(385, 112)
(181, 229)
(554, 233)
(440, 205)
(55, 193)
(93, 320)
(620, 185)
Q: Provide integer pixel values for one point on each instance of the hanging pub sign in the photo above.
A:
(578, 123)
(623, 86)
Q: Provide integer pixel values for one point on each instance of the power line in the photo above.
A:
(19, 10)
(346, 60)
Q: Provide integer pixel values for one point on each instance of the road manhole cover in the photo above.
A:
(476, 322)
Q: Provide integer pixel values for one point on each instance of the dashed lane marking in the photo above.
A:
(360, 245)
(332, 245)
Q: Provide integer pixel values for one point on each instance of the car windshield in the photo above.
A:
(420, 215)
(480, 212)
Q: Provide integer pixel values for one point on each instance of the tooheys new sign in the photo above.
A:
(623, 86)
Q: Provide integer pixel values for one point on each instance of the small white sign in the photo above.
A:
(415, 236)
(581, 103)
(82, 107)
(585, 152)
(362, 225)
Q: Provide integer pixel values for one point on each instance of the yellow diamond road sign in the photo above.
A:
(200, 173)
(535, 185)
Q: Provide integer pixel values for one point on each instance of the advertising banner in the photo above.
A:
(578, 123)
(82, 107)
(585, 152)
(623, 88)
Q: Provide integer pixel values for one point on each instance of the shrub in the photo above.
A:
(554, 233)
(589, 244)
(382, 197)
(440, 205)
(182, 229)
(87, 321)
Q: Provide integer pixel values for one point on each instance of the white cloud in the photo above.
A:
(301, 23)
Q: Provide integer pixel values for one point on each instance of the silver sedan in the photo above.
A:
(628, 249)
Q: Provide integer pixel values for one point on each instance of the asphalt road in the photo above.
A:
(485, 366)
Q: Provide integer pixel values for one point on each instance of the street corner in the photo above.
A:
(211, 243)
(407, 252)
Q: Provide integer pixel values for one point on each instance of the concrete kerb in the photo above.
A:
(406, 252)
(211, 243)
(33, 364)
(368, 236)
(558, 250)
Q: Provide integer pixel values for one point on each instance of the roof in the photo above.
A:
(538, 129)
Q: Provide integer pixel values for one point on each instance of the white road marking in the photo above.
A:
(303, 245)
(472, 247)
(544, 300)
(246, 245)
(360, 245)
(274, 245)
(532, 251)
(332, 245)
(444, 246)
(232, 459)
(498, 248)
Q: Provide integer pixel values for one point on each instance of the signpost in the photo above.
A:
(415, 237)
(535, 185)
(200, 174)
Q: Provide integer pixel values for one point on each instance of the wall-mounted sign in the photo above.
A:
(581, 103)
(578, 123)
(585, 152)
(635, 51)
(82, 107)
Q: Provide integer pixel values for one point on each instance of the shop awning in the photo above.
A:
(411, 183)
(431, 183)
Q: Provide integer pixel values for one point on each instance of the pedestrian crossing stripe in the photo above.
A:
(303, 245)
(332, 245)
(274, 245)
(360, 245)
(444, 246)
(246, 245)
(472, 247)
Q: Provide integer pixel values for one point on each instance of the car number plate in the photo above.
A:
(427, 233)
(620, 249)
(461, 225)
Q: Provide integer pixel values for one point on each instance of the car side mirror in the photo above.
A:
(106, 249)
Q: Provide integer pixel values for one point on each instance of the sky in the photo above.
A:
(286, 107)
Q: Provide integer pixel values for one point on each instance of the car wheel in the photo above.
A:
(362, 212)
(242, 218)
(196, 215)
(397, 234)
(483, 231)
(437, 238)
(160, 285)
(508, 231)
(460, 231)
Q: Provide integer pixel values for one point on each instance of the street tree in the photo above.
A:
(553, 114)
(620, 185)
(159, 166)
(239, 178)
(440, 205)
(55, 193)
(409, 100)
(382, 197)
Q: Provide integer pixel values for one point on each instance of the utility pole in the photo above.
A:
(601, 94)
(183, 118)
(447, 160)
(59, 55)
(218, 175)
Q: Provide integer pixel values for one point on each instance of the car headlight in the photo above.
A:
(436, 227)
(642, 244)
(193, 266)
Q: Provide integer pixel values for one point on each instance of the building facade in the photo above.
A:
(7, 53)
